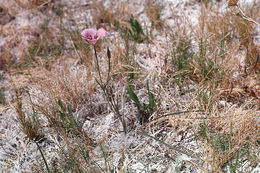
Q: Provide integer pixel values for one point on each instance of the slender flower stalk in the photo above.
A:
(45, 162)
(92, 36)
(98, 68)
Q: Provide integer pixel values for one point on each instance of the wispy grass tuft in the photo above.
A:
(229, 142)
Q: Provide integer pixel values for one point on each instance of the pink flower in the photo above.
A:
(93, 35)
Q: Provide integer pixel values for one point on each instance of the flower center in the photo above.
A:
(89, 37)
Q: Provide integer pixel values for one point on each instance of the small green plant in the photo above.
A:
(207, 67)
(221, 142)
(69, 163)
(239, 158)
(60, 118)
(203, 131)
(181, 55)
(225, 151)
(203, 66)
(144, 110)
(128, 54)
(204, 99)
(136, 32)
(66, 116)
(32, 52)
(105, 156)
(30, 125)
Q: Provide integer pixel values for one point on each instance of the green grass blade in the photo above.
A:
(133, 96)
(150, 97)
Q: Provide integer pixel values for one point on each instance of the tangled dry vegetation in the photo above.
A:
(183, 78)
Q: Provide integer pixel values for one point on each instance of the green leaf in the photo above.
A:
(62, 112)
(62, 116)
(150, 97)
(61, 105)
(69, 110)
(136, 32)
(133, 96)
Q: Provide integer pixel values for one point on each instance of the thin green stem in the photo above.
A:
(98, 68)
(111, 102)
(45, 162)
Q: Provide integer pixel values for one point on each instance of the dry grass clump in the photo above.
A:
(227, 54)
(13, 48)
(106, 16)
(29, 125)
(229, 139)
(32, 4)
(41, 52)
(232, 3)
(5, 59)
(5, 55)
(71, 87)
(215, 64)
(113, 16)
(153, 12)
(5, 17)
(38, 2)
(55, 122)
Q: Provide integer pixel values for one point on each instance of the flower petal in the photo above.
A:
(101, 32)
(92, 42)
(88, 32)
